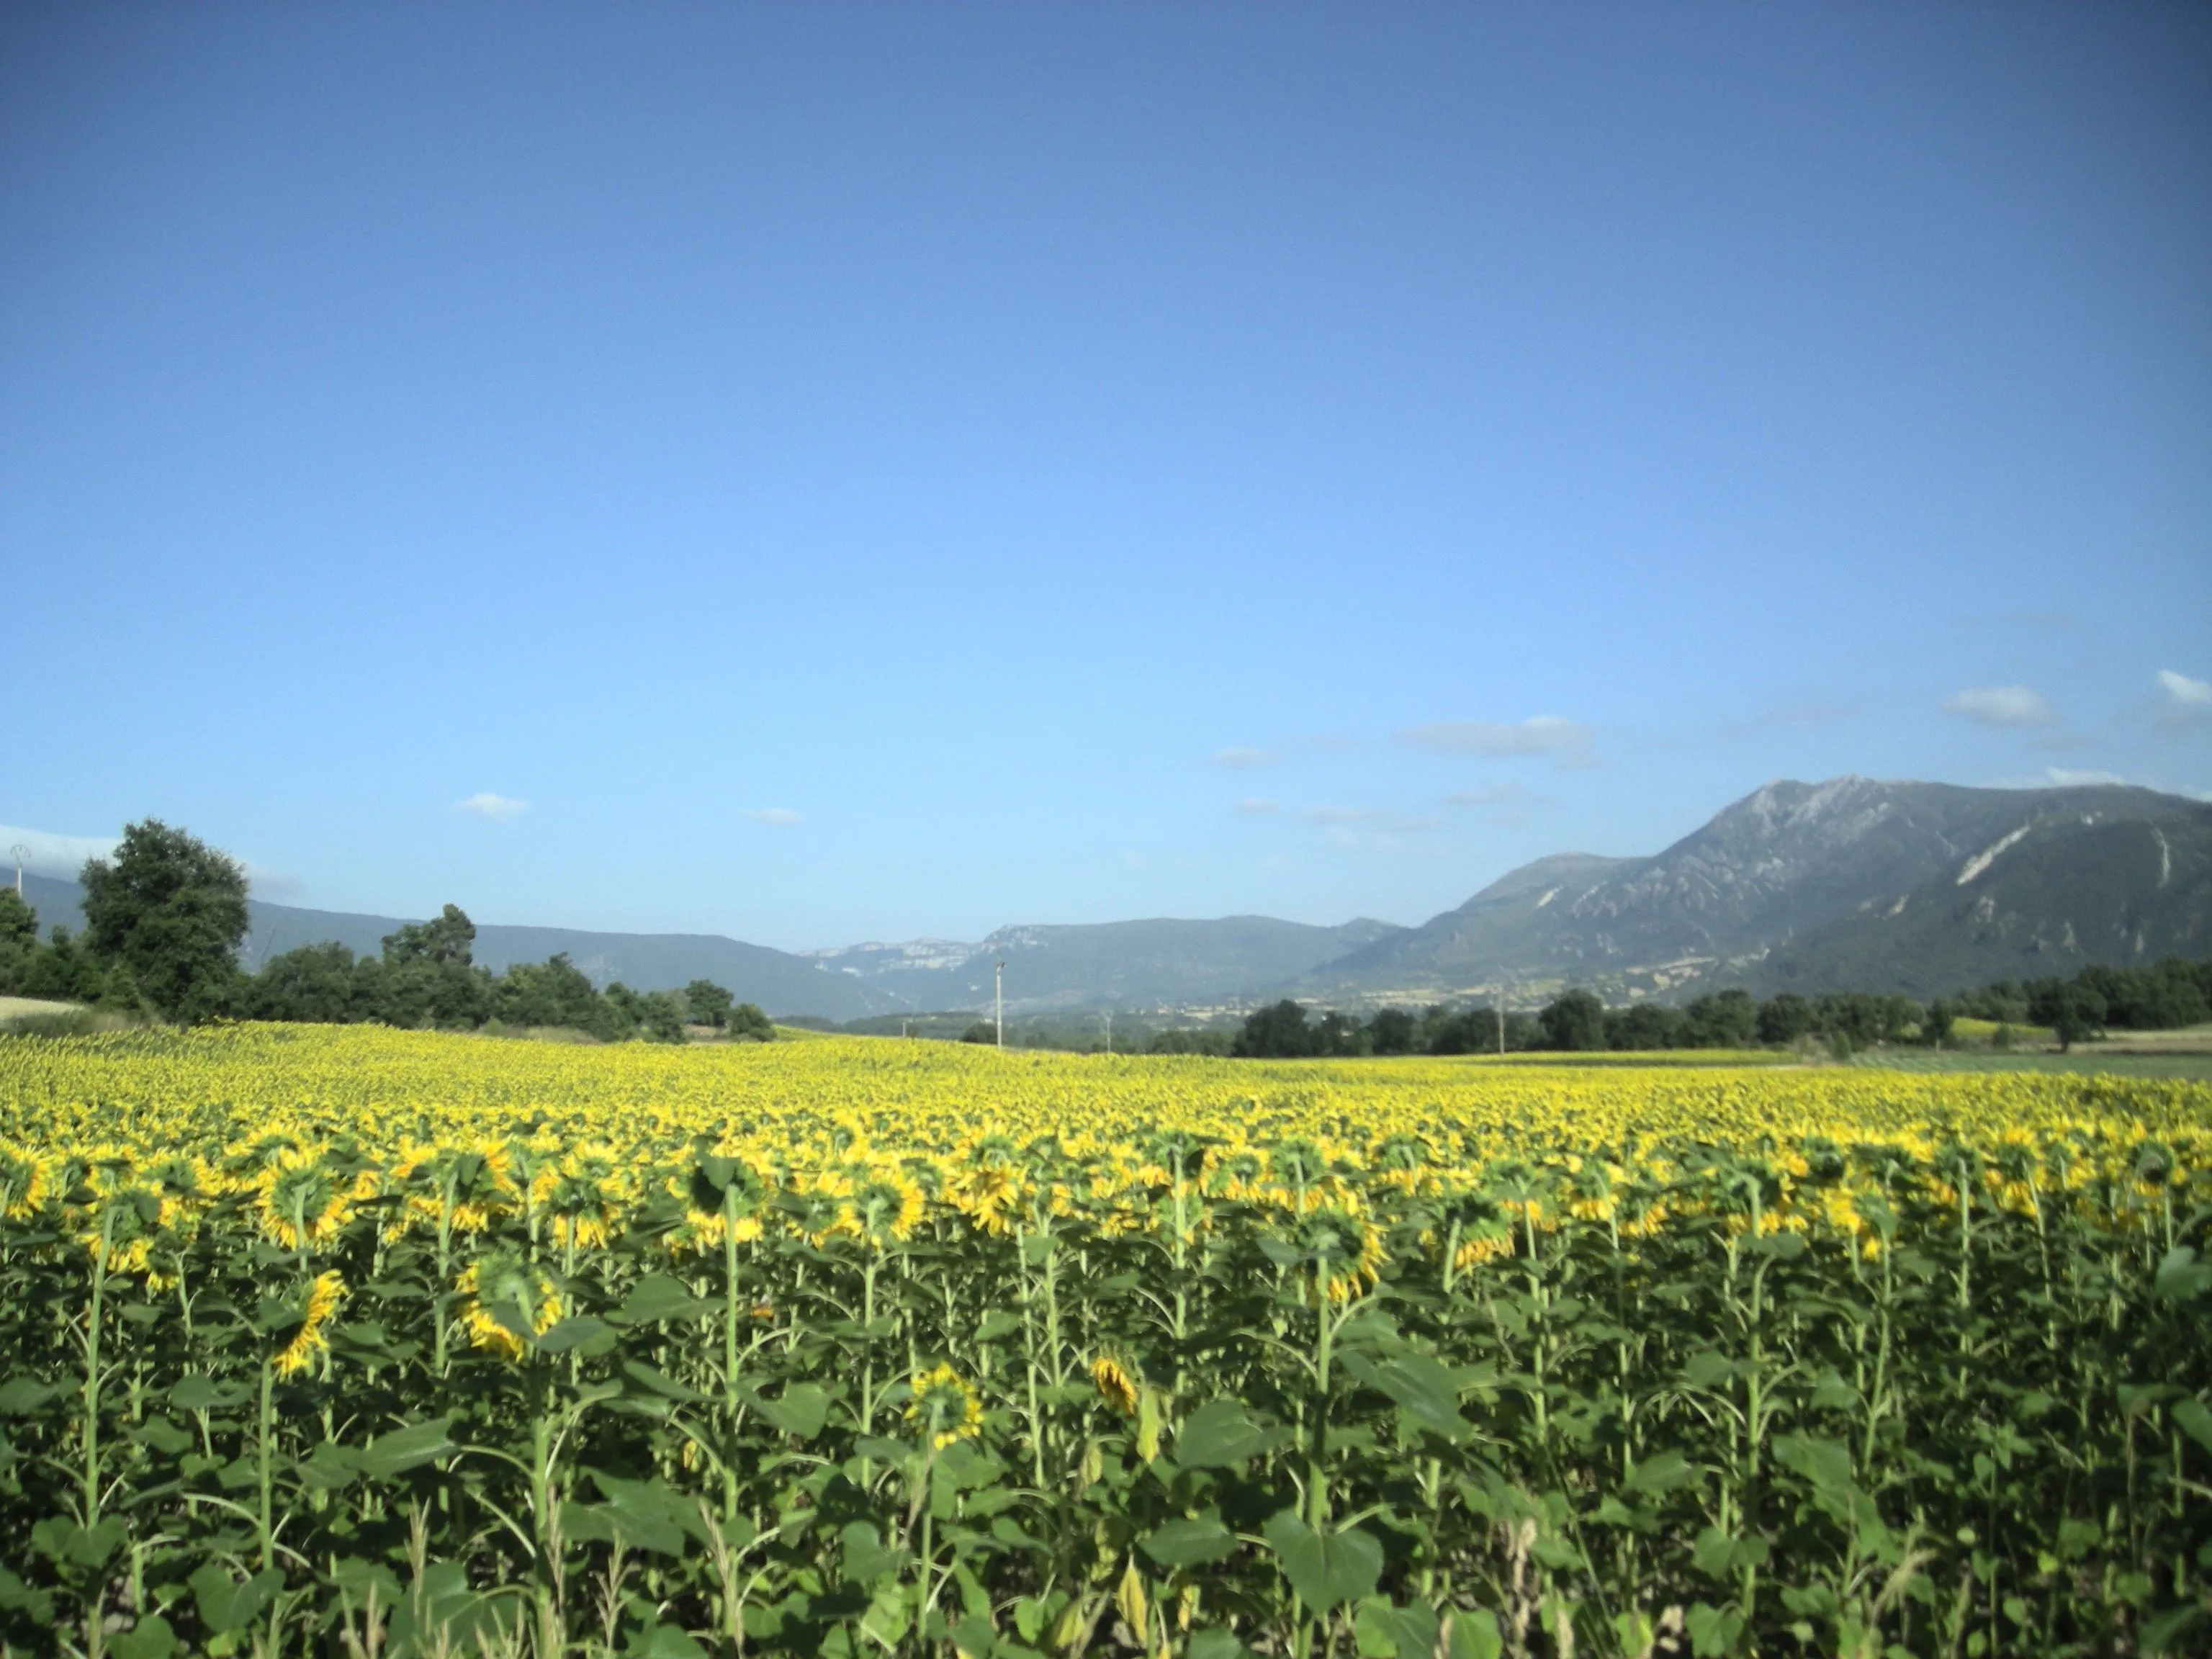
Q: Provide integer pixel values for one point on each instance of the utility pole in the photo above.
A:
(1109, 1031)
(20, 854)
(1501, 1021)
(998, 998)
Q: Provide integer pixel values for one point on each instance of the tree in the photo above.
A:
(1279, 1031)
(1726, 1019)
(19, 922)
(1936, 1025)
(708, 1003)
(749, 1025)
(2076, 1013)
(318, 982)
(1392, 1031)
(981, 1031)
(172, 908)
(1646, 1025)
(1785, 1019)
(450, 939)
(1574, 1022)
(664, 1017)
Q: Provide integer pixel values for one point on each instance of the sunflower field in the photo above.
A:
(347, 1341)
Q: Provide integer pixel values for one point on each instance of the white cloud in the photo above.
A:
(1486, 794)
(2001, 705)
(497, 808)
(1242, 760)
(1257, 806)
(1806, 714)
(1342, 817)
(782, 817)
(45, 853)
(1545, 735)
(2060, 777)
(2184, 693)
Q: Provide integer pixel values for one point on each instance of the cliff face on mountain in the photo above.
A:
(1852, 884)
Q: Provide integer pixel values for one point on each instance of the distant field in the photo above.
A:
(2085, 1061)
(15, 1007)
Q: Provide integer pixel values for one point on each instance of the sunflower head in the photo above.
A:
(1117, 1387)
(944, 1406)
(310, 1338)
(501, 1295)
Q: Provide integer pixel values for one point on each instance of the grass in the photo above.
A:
(2103, 1062)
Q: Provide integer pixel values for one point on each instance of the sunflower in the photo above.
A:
(502, 1284)
(945, 1406)
(310, 1338)
(1115, 1386)
(304, 1201)
(26, 1179)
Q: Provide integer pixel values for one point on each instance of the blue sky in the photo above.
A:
(826, 472)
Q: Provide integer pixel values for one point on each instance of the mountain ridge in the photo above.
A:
(1849, 884)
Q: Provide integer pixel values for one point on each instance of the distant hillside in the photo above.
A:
(1131, 965)
(1851, 884)
(779, 982)
(2065, 895)
(1795, 881)
(1127, 964)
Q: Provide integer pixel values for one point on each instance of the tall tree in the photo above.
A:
(449, 939)
(1574, 1022)
(173, 909)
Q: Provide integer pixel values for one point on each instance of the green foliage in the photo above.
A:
(1987, 1434)
(173, 910)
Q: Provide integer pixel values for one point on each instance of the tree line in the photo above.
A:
(165, 917)
(2160, 996)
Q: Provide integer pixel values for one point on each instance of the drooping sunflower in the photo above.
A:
(310, 1338)
(26, 1181)
(1117, 1387)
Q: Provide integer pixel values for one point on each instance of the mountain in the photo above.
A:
(1157, 964)
(2065, 896)
(1131, 965)
(777, 980)
(1853, 883)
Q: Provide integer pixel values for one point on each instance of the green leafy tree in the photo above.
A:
(664, 1017)
(318, 982)
(708, 1003)
(172, 908)
(448, 939)
(750, 1024)
(1279, 1031)
(1725, 1019)
(1784, 1018)
(1574, 1022)
(1392, 1031)
(19, 922)
(2076, 1014)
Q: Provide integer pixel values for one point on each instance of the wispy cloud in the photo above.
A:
(1543, 734)
(1806, 714)
(2001, 705)
(497, 808)
(1372, 818)
(2060, 777)
(1256, 807)
(1487, 794)
(45, 853)
(2186, 700)
(1242, 760)
(782, 816)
